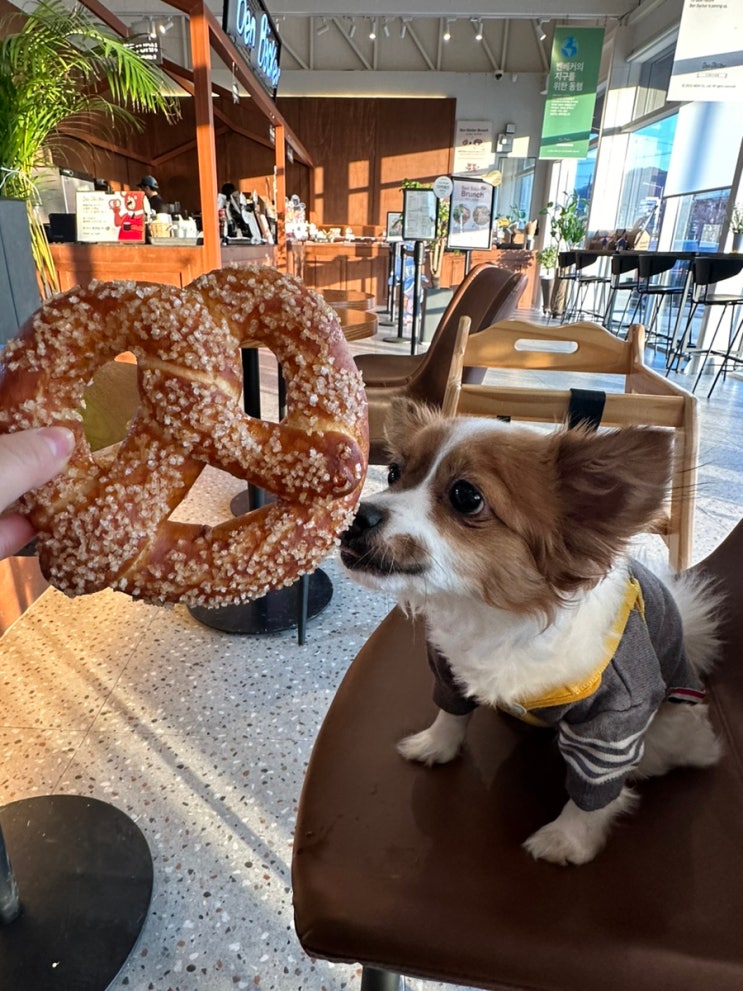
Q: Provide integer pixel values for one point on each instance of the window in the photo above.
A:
(648, 157)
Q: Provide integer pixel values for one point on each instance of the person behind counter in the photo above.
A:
(233, 208)
(155, 203)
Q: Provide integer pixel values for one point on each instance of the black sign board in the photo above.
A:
(248, 24)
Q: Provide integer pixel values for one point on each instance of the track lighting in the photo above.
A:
(352, 29)
(373, 31)
(478, 30)
(539, 30)
(385, 29)
(165, 26)
(324, 27)
(403, 26)
(447, 30)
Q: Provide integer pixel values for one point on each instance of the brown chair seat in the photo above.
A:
(420, 871)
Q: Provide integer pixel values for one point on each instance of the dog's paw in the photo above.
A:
(576, 836)
(438, 744)
(427, 748)
(560, 845)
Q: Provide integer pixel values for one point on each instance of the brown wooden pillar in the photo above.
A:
(204, 112)
(280, 205)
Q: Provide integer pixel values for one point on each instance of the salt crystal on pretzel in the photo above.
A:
(107, 525)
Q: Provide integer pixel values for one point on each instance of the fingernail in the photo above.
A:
(61, 441)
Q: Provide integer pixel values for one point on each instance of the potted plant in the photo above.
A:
(736, 227)
(568, 222)
(547, 260)
(63, 69)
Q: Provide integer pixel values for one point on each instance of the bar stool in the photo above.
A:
(588, 278)
(663, 276)
(707, 270)
(622, 279)
(565, 285)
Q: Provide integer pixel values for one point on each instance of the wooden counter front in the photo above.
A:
(361, 265)
(176, 265)
(513, 259)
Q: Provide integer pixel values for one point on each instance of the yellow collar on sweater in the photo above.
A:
(565, 694)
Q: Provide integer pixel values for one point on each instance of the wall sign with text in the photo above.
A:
(708, 59)
(248, 24)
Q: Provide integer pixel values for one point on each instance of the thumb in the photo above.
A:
(29, 458)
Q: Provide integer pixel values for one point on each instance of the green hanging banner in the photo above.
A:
(571, 92)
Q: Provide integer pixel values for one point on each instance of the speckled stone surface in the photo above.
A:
(203, 739)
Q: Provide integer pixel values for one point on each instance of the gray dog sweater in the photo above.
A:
(601, 734)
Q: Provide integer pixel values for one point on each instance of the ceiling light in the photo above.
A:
(165, 26)
(324, 27)
(373, 31)
(447, 31)
(352, 29)
(403, 27)
(540, 30)
(478, 30)
(386, 29)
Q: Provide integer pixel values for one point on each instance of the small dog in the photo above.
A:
(512, 544)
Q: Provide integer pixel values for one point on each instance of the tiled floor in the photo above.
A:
(203, 738)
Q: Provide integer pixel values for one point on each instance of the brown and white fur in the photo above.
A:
(512, 545)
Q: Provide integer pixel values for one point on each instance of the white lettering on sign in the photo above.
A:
(268, 62)
(245, 23)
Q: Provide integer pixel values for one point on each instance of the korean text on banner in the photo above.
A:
(571, 92)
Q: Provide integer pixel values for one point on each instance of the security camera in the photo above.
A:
(498, 73)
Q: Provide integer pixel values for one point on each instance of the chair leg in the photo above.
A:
(374, 979)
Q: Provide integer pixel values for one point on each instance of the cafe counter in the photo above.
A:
(176, 264)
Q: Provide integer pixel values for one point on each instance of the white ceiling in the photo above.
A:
(335, 35)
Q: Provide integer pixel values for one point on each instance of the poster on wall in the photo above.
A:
(571, 92)
(419, 214)
(708, 61)
(110, 217)
(473, 146)
(471, 215)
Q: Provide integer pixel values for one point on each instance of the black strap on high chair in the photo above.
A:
(586, 408)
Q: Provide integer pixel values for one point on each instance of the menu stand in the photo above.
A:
(74, 901)
(283, 608)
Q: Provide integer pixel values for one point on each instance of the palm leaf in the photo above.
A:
(64, 69)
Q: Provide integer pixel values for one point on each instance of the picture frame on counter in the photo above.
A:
(106, 218)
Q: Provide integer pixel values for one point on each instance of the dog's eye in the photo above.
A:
(465, 498)
(393, 475)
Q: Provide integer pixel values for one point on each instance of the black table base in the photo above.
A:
(277, 611)
(84, 874)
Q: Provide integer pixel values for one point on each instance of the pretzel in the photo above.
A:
(107, 525)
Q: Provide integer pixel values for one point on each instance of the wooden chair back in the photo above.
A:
(435, 381)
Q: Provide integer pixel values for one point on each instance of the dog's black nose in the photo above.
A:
(367, 517)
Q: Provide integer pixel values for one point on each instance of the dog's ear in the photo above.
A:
(405, 418)
(610, 486)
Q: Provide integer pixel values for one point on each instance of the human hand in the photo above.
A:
(28, 458)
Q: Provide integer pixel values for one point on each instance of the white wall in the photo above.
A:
(479, 96)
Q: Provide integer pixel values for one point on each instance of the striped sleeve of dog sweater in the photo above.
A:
(602, 737)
